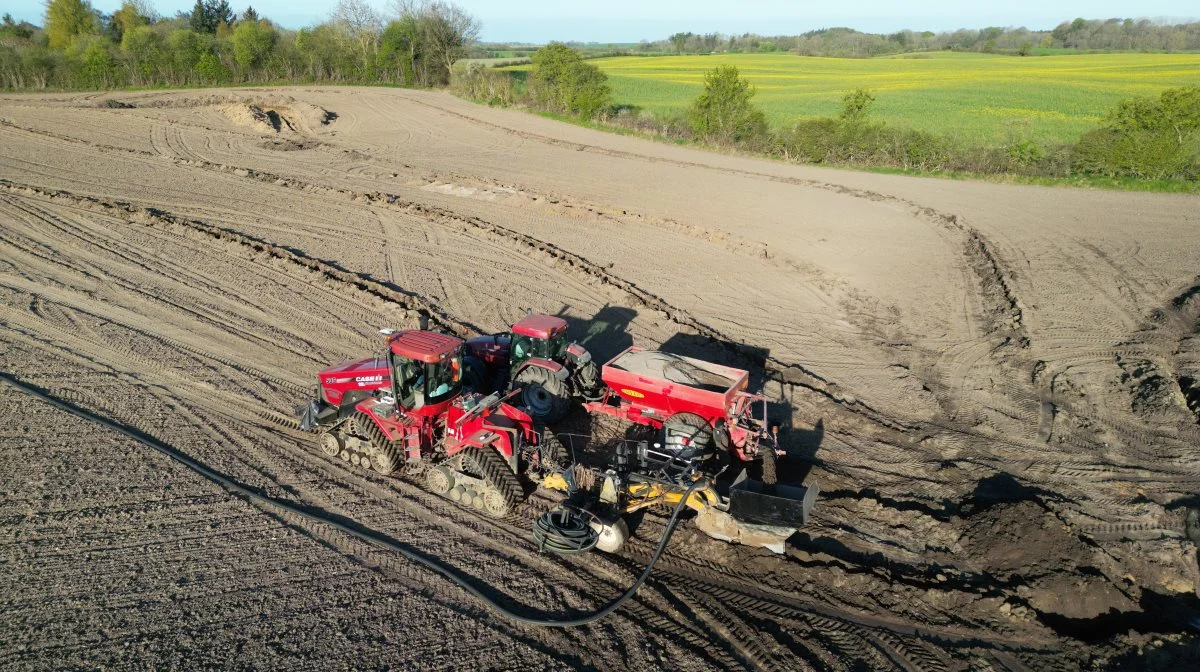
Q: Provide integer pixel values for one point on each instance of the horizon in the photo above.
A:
(535, 24)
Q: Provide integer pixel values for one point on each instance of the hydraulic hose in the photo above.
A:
(369, 537)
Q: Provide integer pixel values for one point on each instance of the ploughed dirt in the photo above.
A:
(997, 388)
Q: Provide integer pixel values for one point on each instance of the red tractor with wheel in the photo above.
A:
(703, 408)
(407, 408)
(535, 358)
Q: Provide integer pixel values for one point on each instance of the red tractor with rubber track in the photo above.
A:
(407, 408)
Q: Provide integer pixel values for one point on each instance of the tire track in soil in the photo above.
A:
(210, 426)
(856, 635)
(998, 270)
(978, 250)
(204, 314)
(996, 288)
(422, 583)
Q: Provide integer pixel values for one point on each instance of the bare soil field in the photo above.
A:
(997, 388)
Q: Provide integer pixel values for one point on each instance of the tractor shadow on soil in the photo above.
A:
(604, 334)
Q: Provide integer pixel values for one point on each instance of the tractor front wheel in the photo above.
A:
(587, 381)
(543, 394)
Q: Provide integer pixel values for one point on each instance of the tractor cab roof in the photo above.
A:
(540, 326)
(423, 346)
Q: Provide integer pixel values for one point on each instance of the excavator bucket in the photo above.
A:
(759, 515)
(778, 505)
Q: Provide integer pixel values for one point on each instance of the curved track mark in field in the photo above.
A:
(997, 285)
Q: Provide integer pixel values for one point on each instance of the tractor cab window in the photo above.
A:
(436, 382)
(524, 347)
(444, 379)
(556, 347)
(409, 379)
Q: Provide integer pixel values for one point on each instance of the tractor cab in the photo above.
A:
(543, 336)
(426, 368)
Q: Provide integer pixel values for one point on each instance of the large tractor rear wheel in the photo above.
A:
(543, 394)
(587, 381)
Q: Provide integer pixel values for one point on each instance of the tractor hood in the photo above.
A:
(362, 374)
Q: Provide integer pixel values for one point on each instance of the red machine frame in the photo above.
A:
(651, 400)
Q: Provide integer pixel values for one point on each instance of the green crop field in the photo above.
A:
(977, 98)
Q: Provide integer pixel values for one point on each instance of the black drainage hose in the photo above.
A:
(238, 489)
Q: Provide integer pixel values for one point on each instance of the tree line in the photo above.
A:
(1079, 35)
(78, 47)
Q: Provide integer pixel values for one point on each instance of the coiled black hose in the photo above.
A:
(564, 531)
(369, 537)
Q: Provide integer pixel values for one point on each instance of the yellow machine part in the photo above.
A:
(640, 495)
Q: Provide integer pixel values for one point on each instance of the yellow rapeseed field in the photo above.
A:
(976, 98)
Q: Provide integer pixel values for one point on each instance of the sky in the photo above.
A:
(539, 21)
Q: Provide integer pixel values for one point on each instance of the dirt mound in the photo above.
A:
(263, 121)
(265, 112)
(1025, 545)
(277, 118)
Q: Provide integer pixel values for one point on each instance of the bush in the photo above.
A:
(724, 114)
(211, 70)
(856, 105)
(1025, 153)
(561, 82)
(836, 141)
(493, 87)
(1146, 138)
(1142, 154)
(671, 125)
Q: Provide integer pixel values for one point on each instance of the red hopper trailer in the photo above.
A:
(700, 405)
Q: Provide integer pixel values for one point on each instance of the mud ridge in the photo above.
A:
(743, 593)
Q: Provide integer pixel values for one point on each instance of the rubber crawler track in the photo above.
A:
(497, 474)
(364, 425)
